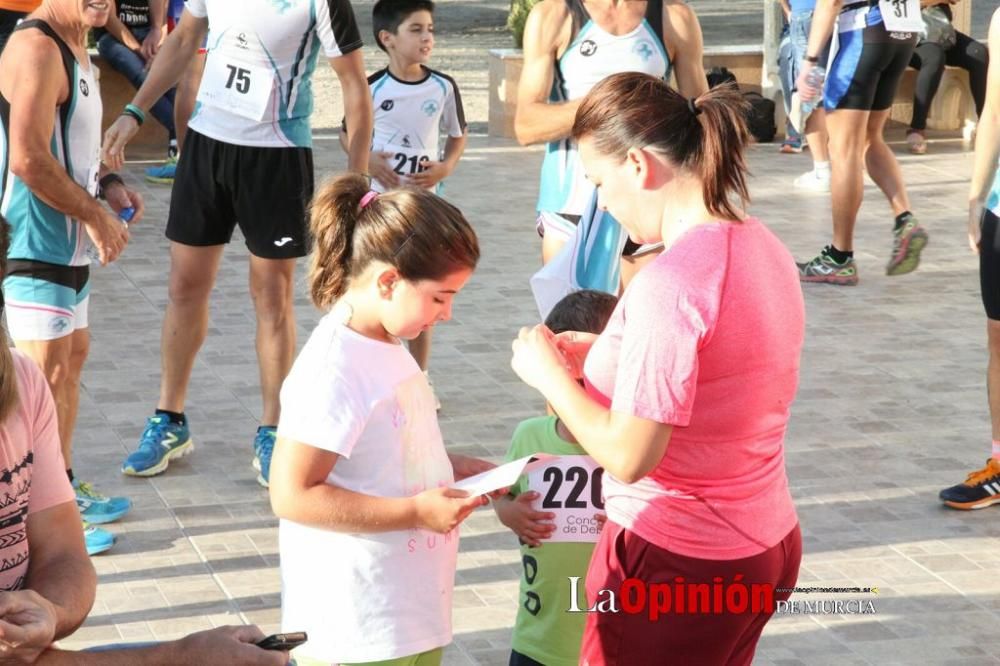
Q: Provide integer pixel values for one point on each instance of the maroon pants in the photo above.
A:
(695, 634)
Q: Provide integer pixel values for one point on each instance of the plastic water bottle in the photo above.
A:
(814, 79)
(125, 215)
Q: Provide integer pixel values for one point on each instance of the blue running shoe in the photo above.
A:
(97, 540)
(96, 508)
(263, 447)
(164, 173)
(161, 442)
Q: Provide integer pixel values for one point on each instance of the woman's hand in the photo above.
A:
(536, 357)
(574, 347)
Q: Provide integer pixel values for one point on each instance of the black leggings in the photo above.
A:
(931, 59)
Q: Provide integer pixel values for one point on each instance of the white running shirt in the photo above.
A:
(409, 117)
(384, 595)
(257, 88)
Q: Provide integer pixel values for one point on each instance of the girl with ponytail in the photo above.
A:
(686, 393)
(360, 474)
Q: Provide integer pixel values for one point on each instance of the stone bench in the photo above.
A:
(951, 110)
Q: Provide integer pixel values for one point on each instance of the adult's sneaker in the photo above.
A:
(822, 268)
(164, 173)
(97, 508)
(908, 241)
(96, 539)
(161, 442)
(980, 489)
(263, 447)
(813, 181)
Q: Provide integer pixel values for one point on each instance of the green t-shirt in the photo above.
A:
(544, 630)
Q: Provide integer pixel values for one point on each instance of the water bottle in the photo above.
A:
(125, 215)
(814, 79)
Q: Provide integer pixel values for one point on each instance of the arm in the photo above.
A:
(299, 492)
(683, 33)
(157, 21)
(786, 9)
(602, 431)
(32, 121)
(987, 139)
(60, 569)
(537, 120)
(117, 29)
(350, 70)
(224, 645)
(824, 19)
(177, 53)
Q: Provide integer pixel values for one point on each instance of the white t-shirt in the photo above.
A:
(366, 597)
(409, 117)
(257, 86)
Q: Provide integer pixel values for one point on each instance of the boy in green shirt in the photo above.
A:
(544, 632)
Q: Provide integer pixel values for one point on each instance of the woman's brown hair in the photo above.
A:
(8, 373)
(706, 135)
(418, 233)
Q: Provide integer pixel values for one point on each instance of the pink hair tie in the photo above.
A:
(368, 198)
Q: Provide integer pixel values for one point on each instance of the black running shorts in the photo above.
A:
(265, 190)
(989, 266)
(867, 67)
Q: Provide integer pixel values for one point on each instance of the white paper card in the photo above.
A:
(570, 487)
(503, 476)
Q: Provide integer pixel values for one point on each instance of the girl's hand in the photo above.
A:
(442, 509)
(466, 466)
(529, 525)
(536, 357)
(574, 347)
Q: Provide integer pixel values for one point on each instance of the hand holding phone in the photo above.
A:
(283, 641)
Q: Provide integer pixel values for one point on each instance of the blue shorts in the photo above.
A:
(45, 301)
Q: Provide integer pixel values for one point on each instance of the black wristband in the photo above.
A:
(106, 182)
(812, 59)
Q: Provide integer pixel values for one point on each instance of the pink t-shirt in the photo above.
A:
(707, 338)
(33, 476)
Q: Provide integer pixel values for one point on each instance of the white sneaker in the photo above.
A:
(437, 401)
(813, 182)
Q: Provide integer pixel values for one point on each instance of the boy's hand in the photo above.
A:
(431, 173)
(529, 525)
(442, 509)
(381, 170)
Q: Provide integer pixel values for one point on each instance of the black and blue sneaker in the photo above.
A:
(980, 489)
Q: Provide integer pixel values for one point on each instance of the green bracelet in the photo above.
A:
(135, 112)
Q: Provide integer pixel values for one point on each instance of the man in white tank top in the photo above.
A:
(570, 45)
(50, 113)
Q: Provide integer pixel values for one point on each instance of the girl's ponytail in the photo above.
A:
(333, 217)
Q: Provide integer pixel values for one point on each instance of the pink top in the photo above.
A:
(33, 476)
(707, 338)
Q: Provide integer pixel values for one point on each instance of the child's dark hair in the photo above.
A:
(707, 135)
(418, 233)
(587, 311)
(389, 14)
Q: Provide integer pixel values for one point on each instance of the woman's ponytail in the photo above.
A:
(721, 164)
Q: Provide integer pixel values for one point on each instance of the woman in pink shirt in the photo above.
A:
(688, 389)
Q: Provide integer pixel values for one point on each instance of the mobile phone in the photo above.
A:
(283, 641)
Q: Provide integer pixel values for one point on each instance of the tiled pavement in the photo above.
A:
(892, 406)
